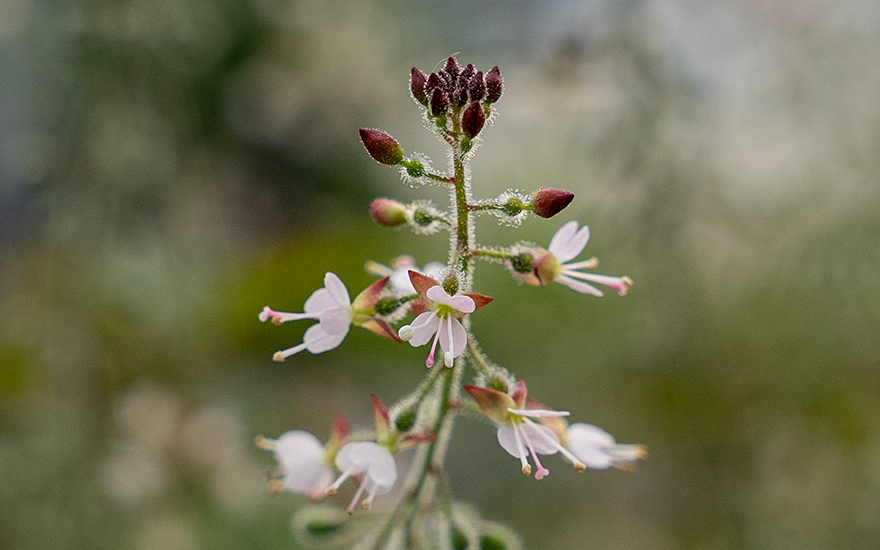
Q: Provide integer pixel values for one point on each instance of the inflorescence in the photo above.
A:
(457, 102)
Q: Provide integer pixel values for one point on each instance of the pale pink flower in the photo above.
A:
(597, 448)
(517, 433)
(566, 244)
(335, 313)
(375, 466)
(440, 321)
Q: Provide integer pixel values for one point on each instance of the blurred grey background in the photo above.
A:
(168, 167)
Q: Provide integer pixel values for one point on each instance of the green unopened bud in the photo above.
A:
(549, 202)
(523, 263)
(382, 147)
(421, 217)
(413, 167)
(513, 206)
(387, 306)
(405, 420)
(388, 212)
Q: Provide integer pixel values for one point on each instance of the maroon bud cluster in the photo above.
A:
(455, 90)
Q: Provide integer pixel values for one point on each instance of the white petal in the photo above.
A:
(437, 294)
(337, 290)
(464, 304)
(590, 444)
(301, 457)
(371, 459)
(569, 241)
(507, 440)
(318, 341)
(459, 336)
(543, 440)
(320, 301)
(335, 321)
(401, 283)
(424, 326)
(583, 288)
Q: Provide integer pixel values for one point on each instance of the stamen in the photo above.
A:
(447, 357)
(538, 413)
(280, 317)
(526, 468)
(281, 355)
(274, 486)
(375, 268)
(265, 444)
(578, 465)
(334, 487)
(592, 263)
(430, 360)
(356, 497)
(542, 471)
(406, 333)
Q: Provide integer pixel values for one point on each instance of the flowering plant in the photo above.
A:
(457, 103)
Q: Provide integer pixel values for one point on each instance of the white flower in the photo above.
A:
(597, 449)
(373, 463)
(566, 244)
(517, 433)
(441, 324)
(302, 462)
(330, 305)
(335, 313)
(441, 320)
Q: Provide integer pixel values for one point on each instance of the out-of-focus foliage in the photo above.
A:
(169, 167)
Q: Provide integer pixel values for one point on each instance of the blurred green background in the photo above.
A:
(168, 167)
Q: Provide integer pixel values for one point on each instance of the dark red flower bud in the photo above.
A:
(433, 83)
(452, 68)
(460, 94)
(477, 87)
(549, 202)
(439, 103)
(417, 85)
(468, 72)
(493, 85)
(473, 119)
(387, 212)
(382, 147)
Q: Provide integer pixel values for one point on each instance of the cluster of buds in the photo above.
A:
(438, 300)
(461, 95)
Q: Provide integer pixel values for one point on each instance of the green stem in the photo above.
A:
(489, 253)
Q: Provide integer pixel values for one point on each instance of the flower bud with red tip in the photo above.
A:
(472, 120)
(493, 85)
(382, 147)
(548, 202)
(388, 212)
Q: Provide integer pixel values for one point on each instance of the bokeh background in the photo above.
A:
(168, 167)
